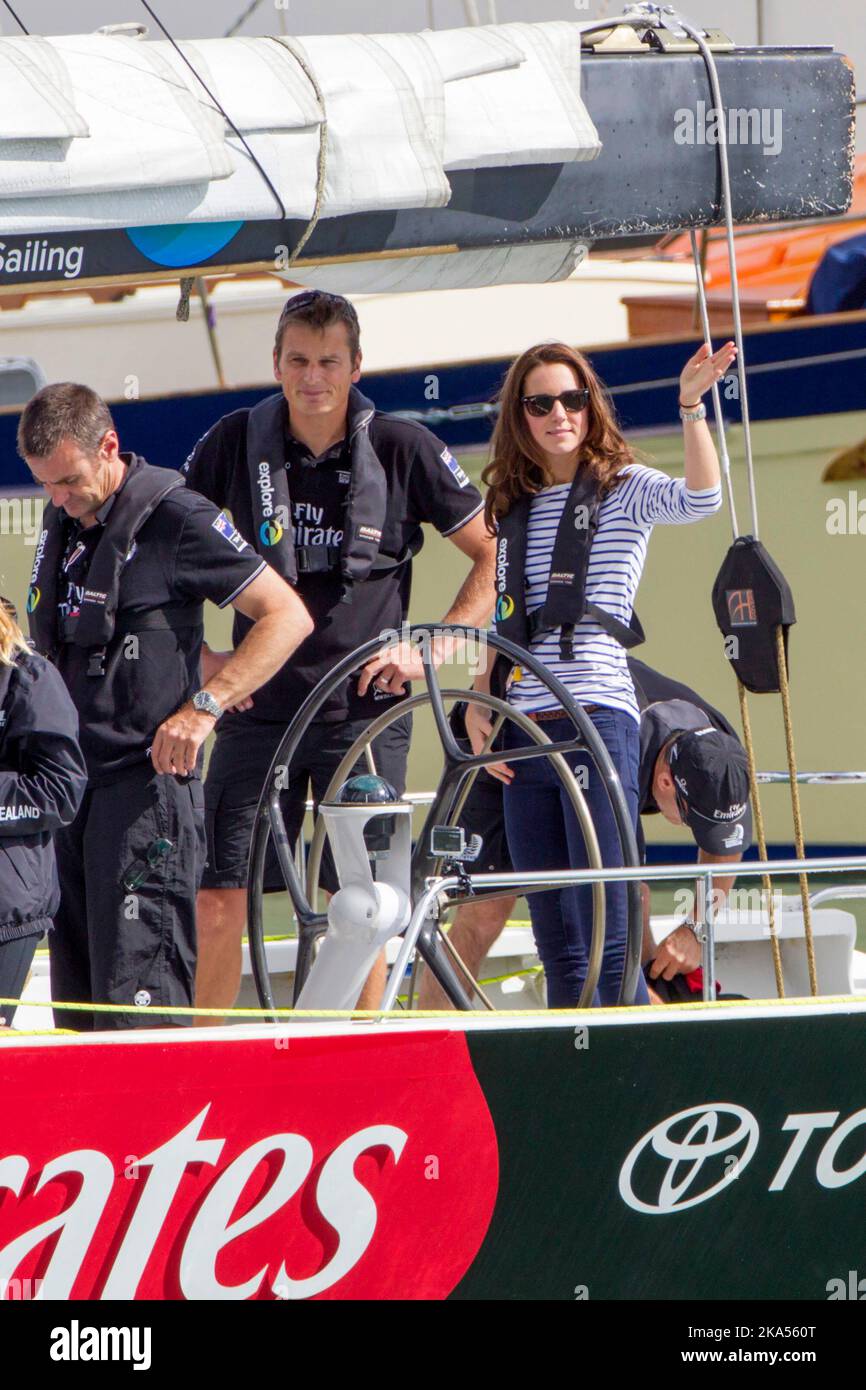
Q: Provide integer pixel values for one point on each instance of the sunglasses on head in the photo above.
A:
(542, 404)
(307, 297)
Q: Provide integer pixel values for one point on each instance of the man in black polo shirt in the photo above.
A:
(333, 494)
(692, 770)
(126, 556)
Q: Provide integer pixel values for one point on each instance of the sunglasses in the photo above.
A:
(140, 869)
(307, 297)
(542, 404)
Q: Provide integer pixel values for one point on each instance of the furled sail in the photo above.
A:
(395, 161)
(122, 133)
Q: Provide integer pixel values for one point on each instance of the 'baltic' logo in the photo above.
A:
(33, 597)
(504, 607)
(271, 532)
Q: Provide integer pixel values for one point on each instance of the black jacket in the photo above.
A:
(42, 782)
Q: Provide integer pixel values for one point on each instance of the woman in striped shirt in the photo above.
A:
(554, 420)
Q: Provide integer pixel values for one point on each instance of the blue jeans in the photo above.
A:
(544, 833)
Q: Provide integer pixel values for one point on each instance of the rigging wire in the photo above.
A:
(242, 19)
(727, 209)
(217, 103)
(781, 657)
(724, 457)
(18, 21)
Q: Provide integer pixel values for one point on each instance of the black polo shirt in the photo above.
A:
(185, 552)
(425, 484)
(666, 706)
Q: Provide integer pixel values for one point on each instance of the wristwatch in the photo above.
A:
(697, 412)
(205, 703)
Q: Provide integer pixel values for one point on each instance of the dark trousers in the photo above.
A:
(116, 944)
(544, 833)
(15, 960)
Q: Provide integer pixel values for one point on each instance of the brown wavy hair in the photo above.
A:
(517, 464)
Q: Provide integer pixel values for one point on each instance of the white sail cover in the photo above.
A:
(109, 130)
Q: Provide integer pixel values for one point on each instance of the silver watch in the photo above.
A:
(205, 703)
(699, 412)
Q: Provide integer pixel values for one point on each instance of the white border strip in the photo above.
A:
(721, 1013)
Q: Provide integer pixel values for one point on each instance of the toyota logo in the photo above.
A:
(710, 1152)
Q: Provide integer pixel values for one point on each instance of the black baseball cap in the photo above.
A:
(711, 780)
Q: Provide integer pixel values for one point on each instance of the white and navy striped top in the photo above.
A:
(598, 674)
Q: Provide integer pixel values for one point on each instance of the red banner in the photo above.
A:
(332, 1167)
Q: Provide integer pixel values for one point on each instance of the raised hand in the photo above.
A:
(703, 369)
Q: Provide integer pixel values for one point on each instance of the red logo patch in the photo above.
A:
(742, 610)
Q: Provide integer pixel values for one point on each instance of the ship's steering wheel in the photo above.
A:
(460, 769)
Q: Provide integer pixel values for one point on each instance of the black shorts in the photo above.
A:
(238, 768)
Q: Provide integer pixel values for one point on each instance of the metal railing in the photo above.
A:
(765, 778)
(703, 874)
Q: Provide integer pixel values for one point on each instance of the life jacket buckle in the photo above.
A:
(96, 661)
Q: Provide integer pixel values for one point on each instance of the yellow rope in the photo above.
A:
(762, 840)
(262, 1015)
(795, 806)
(361, 1015)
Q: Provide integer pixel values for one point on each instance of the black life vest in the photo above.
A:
(565, 604)
(98, 622)
(366, 505)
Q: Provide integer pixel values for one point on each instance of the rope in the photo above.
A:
(795, 806)
(620, 1011)
(181, 313)
(322, 156)
(762, 839)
